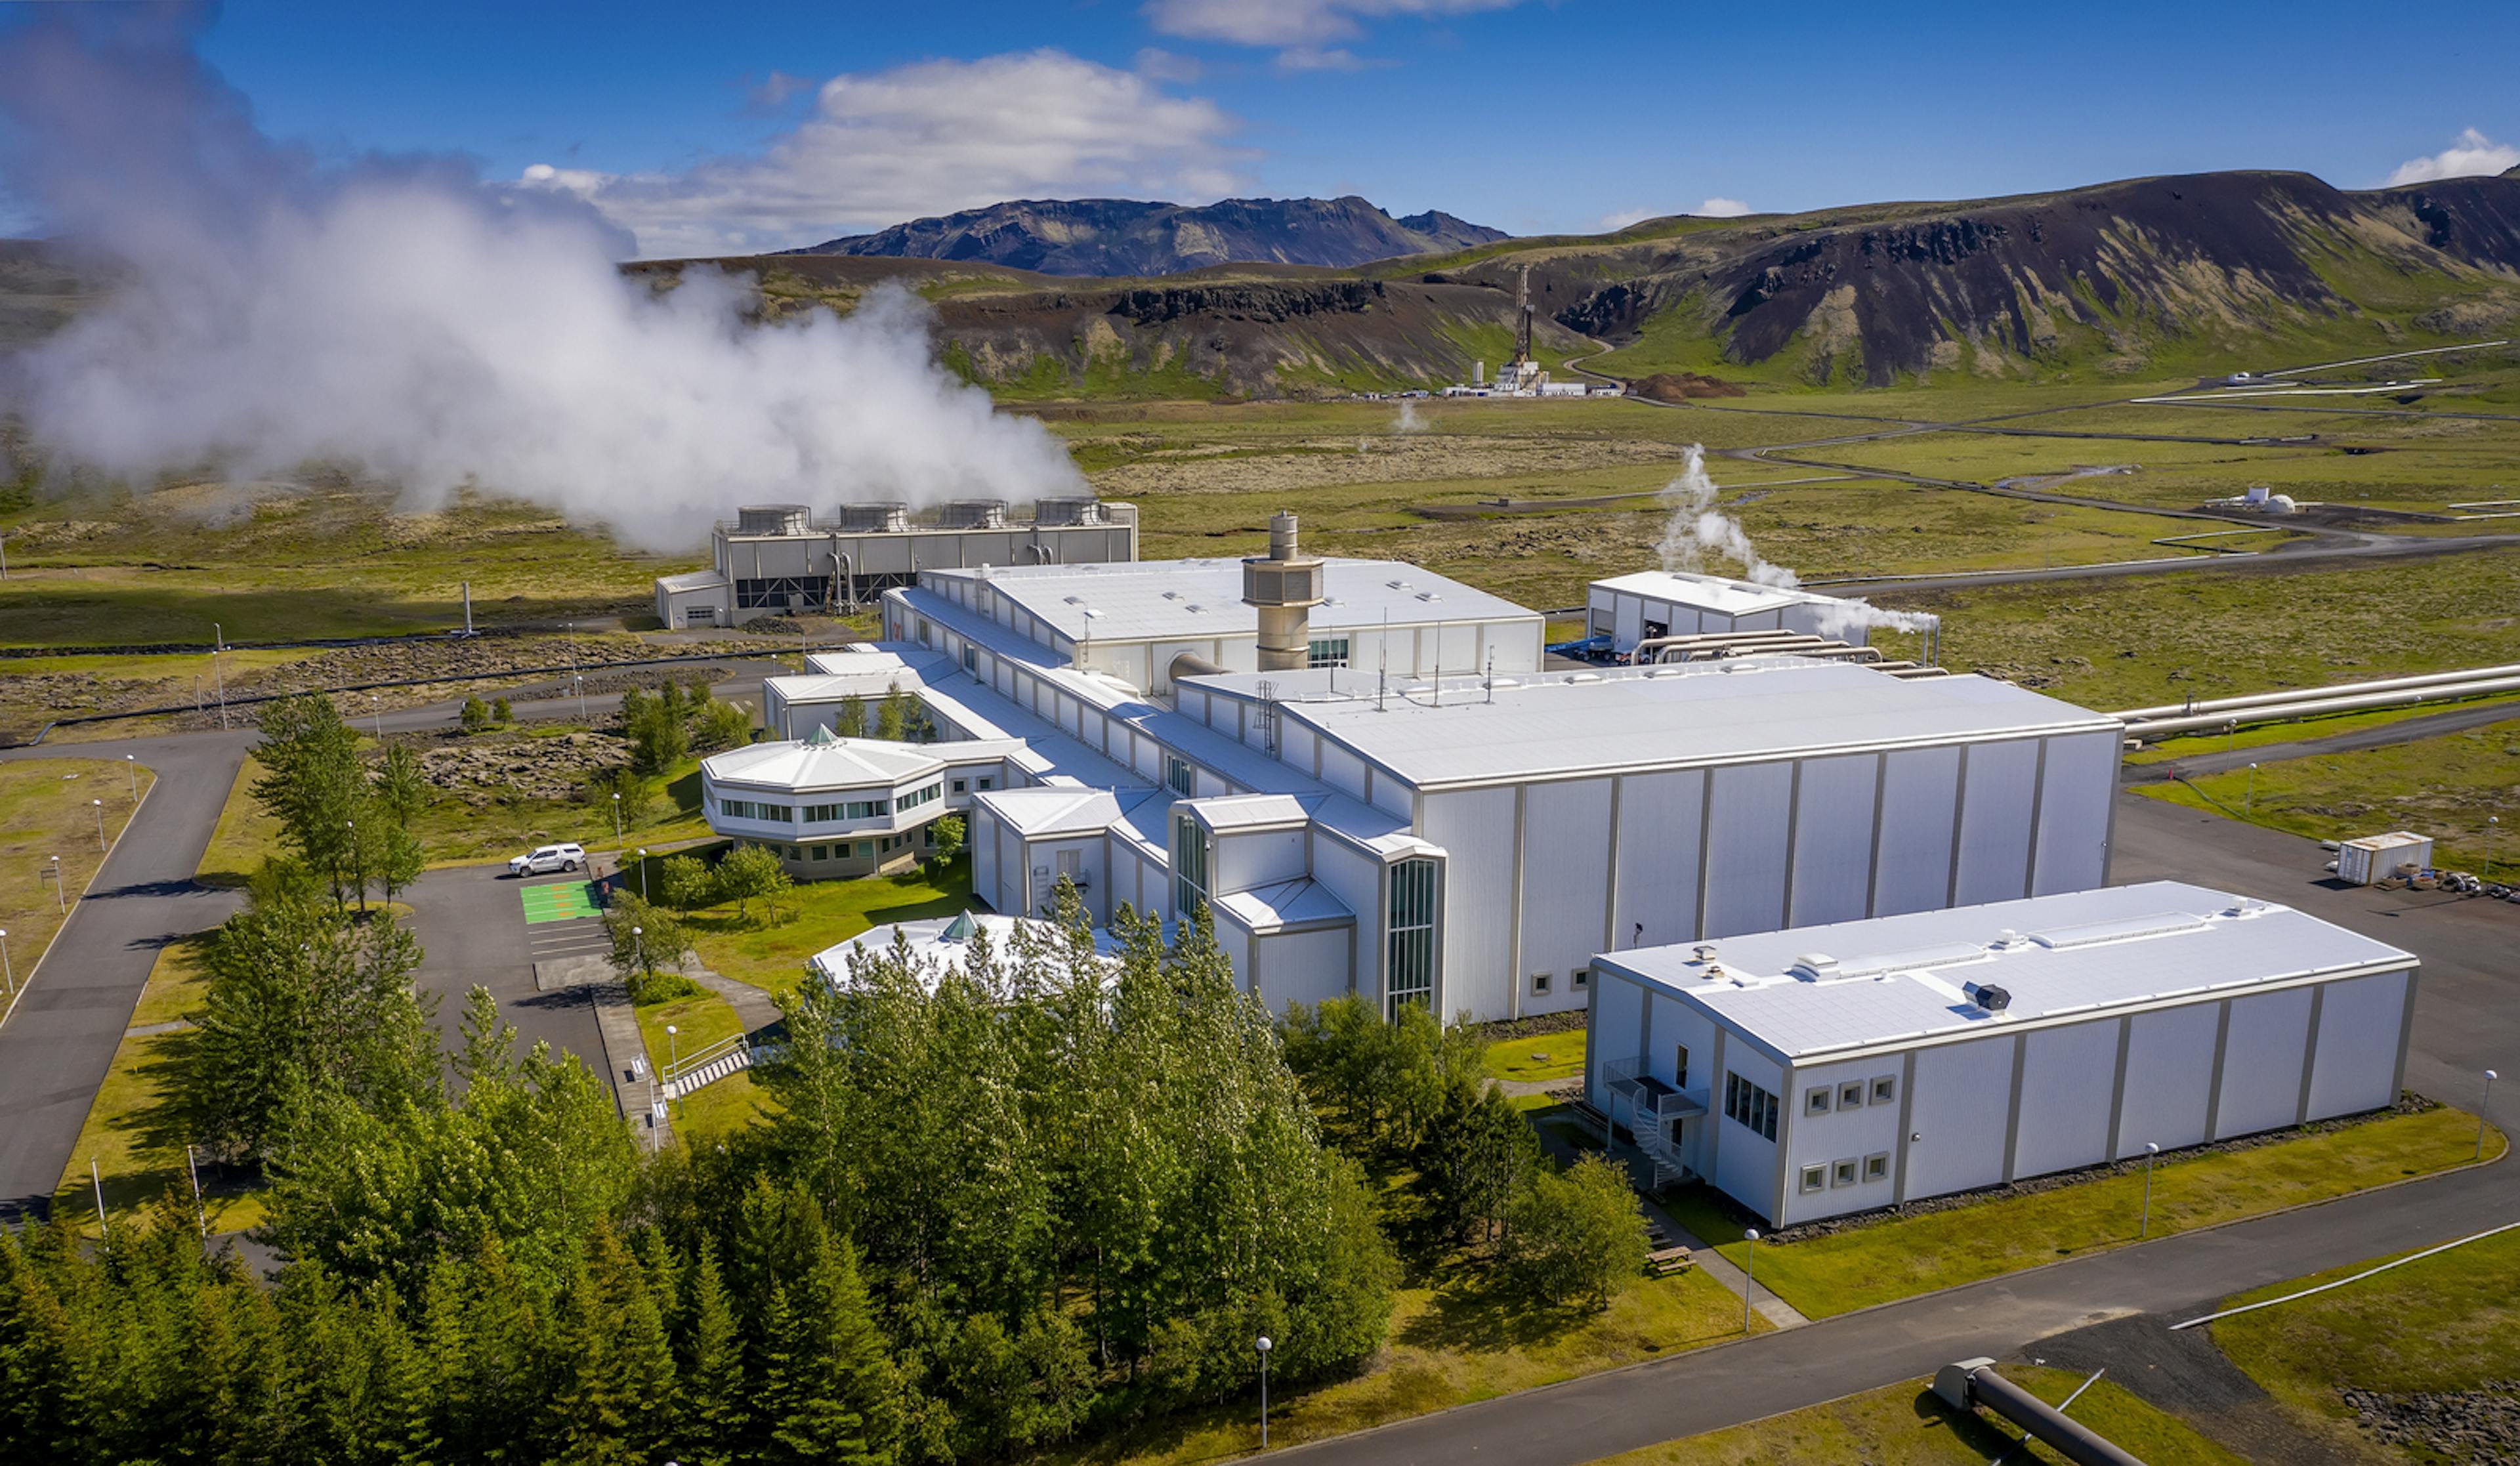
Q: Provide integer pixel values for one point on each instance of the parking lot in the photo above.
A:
(479, 925)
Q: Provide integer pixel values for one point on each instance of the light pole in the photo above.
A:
(377, 708)
(1264, 1347)
(131, 765)
(358, 864)
(1749, 1274)
(616, 818)
(639, 945)
(2144, 1227)
(673, 1059)
(2483, 1110)
(2249, 800)
(2490, 820)
(643, 873)
(99, 805)
(219, 644)
(580, 678)
(6, 970)
(58, 900)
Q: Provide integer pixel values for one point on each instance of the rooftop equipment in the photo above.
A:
(772, 520)
(1067, 510)
(1988, 995)
(878, 516)
(973, 514)
(1285, 587)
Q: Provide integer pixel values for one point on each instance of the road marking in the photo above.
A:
(557, 901)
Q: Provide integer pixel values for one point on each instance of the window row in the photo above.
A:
(917, 797)
(1872, 1168)
(855, 809)
(1747, 1104)
(1578, 980)
(1850, 1095)
(753, 809)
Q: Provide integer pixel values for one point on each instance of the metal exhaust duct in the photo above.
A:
(1972, 1384)
(1284, 587)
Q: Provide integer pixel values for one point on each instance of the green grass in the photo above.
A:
(1908, 1425)
(46, 810)
(2445, 786)
(1447, 1349)
(246, 835)
(1537, 1058)
(2451, 1322)
(770, 952)
(1902, 1256)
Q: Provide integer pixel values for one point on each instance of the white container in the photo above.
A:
(2376, 857)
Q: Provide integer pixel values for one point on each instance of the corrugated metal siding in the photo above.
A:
(984, 854)
(1343, 770)
(2081, 777)
(1833, 840)
(2065, 1082)
(1394, 798)
(1746, 848)
(1565, 872)
(1994, 821)
(1958, 1101)
(1475, 827)
(1656, 870)
(2359, 1023)
(1913, 872)
(1840, 1135)
(2261, 1057)
(1265, 857)
(2170, 1076)
(1745, 1161)
(1306, 967)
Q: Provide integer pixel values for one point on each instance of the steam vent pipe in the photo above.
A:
(1973, 1384)
(1283, 588)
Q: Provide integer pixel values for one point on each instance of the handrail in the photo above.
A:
(674, 1072)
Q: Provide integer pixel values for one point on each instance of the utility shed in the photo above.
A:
(1654, 604)
(1825, 1070)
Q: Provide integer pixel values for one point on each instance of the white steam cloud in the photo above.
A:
(2472, 155)
(398, 315)
(1407, 421)
(1696, 528)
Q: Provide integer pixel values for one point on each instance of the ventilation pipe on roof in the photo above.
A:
(1190, 664)
(1283, 588)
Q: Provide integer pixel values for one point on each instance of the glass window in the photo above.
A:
(1179, 777)
(1679, 1067)
(1814, 1177)
(988, 783)
(1842, 1173)
(1583, 977)
(1749, 1106)
(1884, 1090)
(1876, 1167)
(821, 852)
(958, 785)
(1191, 850)
(1409, 934)
(1540, 982)
(1816, 1101)
(1850, 1095)
(1327, 651)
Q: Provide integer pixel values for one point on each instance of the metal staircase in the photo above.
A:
(706, 1067)
(1654, 1114)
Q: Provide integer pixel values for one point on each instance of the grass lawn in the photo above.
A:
(1902, 1256)
(1908, 1425)
(45, 811)
(1538, 1057)
(137, 1145)
(770, 954)
(717, 1109)
(2450, 1323)
(2446, 786)
(245, 836)
(1446, 1349)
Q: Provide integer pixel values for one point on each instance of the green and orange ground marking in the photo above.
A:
(559, 901)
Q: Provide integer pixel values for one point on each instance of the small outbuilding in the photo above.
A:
(1825, 1070)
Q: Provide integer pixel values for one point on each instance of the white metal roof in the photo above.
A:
(1287, 905)
(1062, 809)
(1233, 812)
(1198, 598)
(807, 766)
(945, 943)
(1536, 724)
(1713, 593)
(693, 580)
(1893, 981)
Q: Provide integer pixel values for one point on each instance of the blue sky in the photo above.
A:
(713, 127)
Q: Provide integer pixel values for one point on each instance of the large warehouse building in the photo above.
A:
(1856, 1065)
(1469, 840)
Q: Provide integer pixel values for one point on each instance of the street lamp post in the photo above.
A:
(1264, 1347)
(99, 805)
(2490, 820)
(643, 873)
(131, 765)
(1749, 1274)
(358, 864)
(2249, 800)
(2483, 1110)
(6, 970)
(580, 679)
(673, 1058)
(377, 708)
(219, 644)
(58, 900)
(2144, 1227)
(639, 945)
(617, 818)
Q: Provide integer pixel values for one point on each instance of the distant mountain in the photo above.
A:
(1122, 237)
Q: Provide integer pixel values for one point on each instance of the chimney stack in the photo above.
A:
(1284, 587)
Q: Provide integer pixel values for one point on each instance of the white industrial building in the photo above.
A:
(1648, 605)
(1469, 840)
(772, 558)
(1854, 1065)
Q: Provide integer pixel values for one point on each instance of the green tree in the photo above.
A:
(892, 714)
(829, 1391)
(400, 785)
(686, 883)
(655, 728)
(720, 723)
(1473, 1158)
(850, 722)
(313, 782)
(648, 945)
(750, 872)
(712, 1414)
(950, 832)
(501, 711)
(475, 715)
(1576, 1236)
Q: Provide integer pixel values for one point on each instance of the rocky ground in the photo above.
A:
(483, 769)
(2472, 1427)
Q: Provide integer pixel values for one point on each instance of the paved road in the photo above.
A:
(471, 928)
(2382, 735)
(56, 1049)
(2465, 1021)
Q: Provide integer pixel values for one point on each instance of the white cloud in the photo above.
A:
(1157, 64)
(1324, 59)
(2474, 153)
(1294, 22)
(773, 91)
(1721, 209)
(1618, 219)
(928, 138)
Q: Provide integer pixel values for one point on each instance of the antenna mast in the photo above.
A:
(1522, 317)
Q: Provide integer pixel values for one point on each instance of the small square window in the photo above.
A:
(1842, 1173)
(1814, 1177)
(821, 852)
(957, 786)
(988, 783)
(1876, 1167)
(1816, 1101)
(1884, 1090)
(1850, 1095)
(1583, 978)
(1540, 982)
(865, 850)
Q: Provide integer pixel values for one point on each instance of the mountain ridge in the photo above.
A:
(1126, 236)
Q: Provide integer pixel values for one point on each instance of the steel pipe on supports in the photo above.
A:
(1973, 1384)
(2161, 728)
(2255, 701)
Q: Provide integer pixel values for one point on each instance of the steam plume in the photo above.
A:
(1696, 528)
(397, 314)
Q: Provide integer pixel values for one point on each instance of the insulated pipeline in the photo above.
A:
(2067, 1437)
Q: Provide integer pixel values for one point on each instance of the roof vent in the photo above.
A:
(1172, 595)
(1703, 952)
(1429, 595)
(1811, 966)
(1073, 599)
(1397, 584)
(1988, 995)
